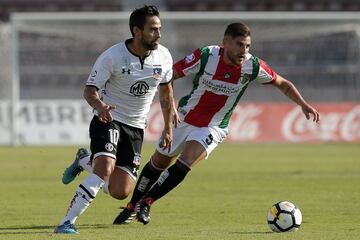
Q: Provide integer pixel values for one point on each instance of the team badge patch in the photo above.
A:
(157, 72)
(109, 147)
(189, 58)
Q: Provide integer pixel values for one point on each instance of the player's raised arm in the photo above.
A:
(291, 92)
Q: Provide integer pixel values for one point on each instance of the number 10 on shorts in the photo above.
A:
(114, 136)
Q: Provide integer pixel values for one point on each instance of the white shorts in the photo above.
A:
(209, 137)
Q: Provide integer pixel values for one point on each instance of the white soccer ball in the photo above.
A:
(284, 216)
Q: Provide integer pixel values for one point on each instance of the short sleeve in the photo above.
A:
(266, 75)
(168, 62)
(189, 64)
(101, 71)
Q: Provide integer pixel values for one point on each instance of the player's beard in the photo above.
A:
(234, 59)
(150, 45)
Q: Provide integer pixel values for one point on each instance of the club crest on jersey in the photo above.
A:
(227, 75)
(139, 88)
(157, 72)
(245, 78)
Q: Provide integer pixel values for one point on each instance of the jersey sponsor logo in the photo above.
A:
(220, 87)
(157, 72)
(189, 58)
(125, 70)
(109, 147)
(139, 88)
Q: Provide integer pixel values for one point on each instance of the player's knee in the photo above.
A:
(104, 167)
(103, 173)
(119, 196)
(160, 161)
(120, 193)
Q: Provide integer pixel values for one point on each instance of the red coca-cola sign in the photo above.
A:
(339, 122)
(278, 122)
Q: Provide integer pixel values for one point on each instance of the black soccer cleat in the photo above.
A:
(126, 215)
(143, 210)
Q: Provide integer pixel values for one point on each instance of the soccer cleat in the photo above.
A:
(126, 215)
(143, 210)
(74, 169)
(66, 228)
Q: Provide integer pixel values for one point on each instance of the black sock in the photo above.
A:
(172, 177)
(148, 176)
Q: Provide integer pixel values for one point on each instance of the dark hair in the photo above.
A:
(139, 15)
(237, 29)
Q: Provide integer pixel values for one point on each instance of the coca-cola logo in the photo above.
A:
(334, 126)
(244, 124)
(280, 123)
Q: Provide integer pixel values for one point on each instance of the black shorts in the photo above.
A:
(119, 141)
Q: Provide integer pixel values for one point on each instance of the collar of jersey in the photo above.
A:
(128, 41)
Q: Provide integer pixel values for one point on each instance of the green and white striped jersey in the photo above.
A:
(217, 86)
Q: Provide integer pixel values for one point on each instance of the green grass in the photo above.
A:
(224, 197)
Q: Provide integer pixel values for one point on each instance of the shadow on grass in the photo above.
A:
(42, 229)
(244, 233)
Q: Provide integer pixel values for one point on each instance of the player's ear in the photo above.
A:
(137, 31)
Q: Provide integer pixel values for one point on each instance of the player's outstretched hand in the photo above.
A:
(309, 110)
(104, 114)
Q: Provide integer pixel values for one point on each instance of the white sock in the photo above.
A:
(85, 163)
(85, 194)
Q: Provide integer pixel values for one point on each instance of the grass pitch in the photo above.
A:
(224, 197)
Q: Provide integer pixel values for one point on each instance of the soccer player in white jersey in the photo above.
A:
(128, 75)
(221, 75)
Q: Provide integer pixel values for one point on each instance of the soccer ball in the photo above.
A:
(284, 216)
